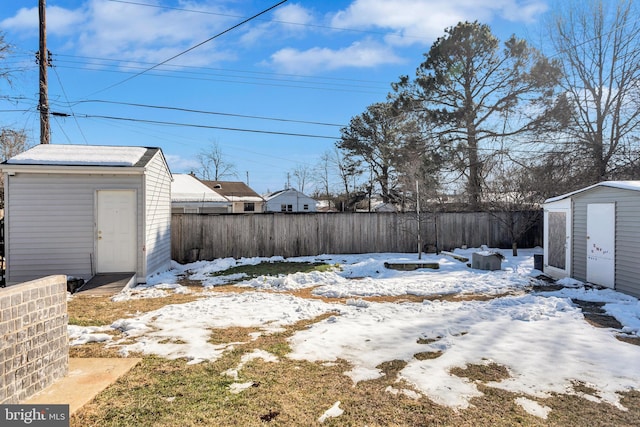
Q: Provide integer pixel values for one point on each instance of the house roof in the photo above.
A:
(625, 185)
(286, 190)
(84, 155)
(234, 190)
(186, 188)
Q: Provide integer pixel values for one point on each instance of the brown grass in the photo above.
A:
(484, 373)
(160, 392)
(101, 311)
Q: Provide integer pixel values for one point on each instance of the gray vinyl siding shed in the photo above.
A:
(50, 212)
(624, 196)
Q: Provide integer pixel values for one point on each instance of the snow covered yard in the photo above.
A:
(412, 336)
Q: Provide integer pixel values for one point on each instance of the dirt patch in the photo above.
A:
(427, 355)
(595, 315)
(629, 339)
(602, 321)
(483, 372)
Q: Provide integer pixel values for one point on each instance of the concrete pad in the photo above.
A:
(86, 378)
(107, 284)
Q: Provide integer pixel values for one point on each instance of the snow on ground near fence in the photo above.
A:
(541, 338)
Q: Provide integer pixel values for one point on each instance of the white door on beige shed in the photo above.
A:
(116, 231)
(601, 244)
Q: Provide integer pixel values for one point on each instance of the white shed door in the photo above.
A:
(601, 244)
(116, 231)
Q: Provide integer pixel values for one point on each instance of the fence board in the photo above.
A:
(205, 237)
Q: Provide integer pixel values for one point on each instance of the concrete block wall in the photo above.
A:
(34, 344)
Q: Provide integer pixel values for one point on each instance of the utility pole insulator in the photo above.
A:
(43, 60)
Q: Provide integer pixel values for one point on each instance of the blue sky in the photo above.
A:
(271, 93)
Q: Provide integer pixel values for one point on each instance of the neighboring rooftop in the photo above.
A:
(286, 190)
(234, 190)
(81, 155)
(186, 188)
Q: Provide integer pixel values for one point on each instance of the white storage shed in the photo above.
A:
(81, 210)
(593, 235)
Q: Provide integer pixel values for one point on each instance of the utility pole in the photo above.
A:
(43, 61)
(418, 217)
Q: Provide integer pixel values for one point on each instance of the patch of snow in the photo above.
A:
(255, 354)
(570, 282)
(332, 412)
(156, 287)
(534, 408)
(79, 155)
(525, 333)
(409, 393)
(236, 388)
(182, 330)
(79, 335)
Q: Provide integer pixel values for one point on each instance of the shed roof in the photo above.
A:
(84, 155)
(186, 188)
(234, 190)
(625, 185)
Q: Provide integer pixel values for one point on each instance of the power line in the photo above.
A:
(196, 46)
(229, 70)
(158, 122)
(289, 85)
(322, 27)
(67, 98)
(189, 110)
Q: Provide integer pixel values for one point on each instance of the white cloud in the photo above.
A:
(289, 19)
(293, 13)
(421, 21)
(127, 31)
(357, 55)
(59, 20)
(132, 32)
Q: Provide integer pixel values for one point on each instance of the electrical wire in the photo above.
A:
(193, 47)
(322, 27)
(67, 98)
(166, 123)
(189, 110)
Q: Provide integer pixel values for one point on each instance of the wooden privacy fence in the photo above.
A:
(205, 237)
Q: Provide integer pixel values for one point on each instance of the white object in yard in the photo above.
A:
(486, 261)
(333, 412)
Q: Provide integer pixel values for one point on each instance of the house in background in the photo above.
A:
(593, 235)
(81, 210)
(242, 197)
(190, 195)
(289, 200)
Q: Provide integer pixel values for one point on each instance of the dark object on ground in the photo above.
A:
(410, 266)
(74, 283)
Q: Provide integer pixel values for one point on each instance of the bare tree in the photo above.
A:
(213, 165)
(5, 50)
(302, 174)
(511, 200)
(12, 142)
(599, 44)
(322, 174)
(348, 170)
